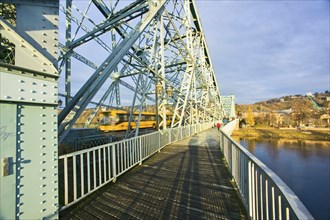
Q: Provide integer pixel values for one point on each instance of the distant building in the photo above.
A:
(310, 94)
(325, 120)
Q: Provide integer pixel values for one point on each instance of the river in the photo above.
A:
(303, 166)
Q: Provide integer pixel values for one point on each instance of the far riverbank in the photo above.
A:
(274, 133)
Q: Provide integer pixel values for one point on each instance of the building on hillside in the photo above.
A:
(325, 120)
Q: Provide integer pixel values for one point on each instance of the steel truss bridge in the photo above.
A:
(133, 55)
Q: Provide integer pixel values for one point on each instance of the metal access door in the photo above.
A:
(28, 109)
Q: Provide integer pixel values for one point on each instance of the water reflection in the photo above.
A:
(303, 165)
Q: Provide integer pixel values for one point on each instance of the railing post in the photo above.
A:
(159, 140)
(140, 148)
(114, 163)
(250, 189)
(66, 188)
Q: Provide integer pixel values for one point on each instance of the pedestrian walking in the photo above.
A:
(218, 126)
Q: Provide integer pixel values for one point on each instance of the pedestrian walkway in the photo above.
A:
(186, 180)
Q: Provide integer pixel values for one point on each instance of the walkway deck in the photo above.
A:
(186, 180)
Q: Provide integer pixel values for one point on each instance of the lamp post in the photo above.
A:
(159, 90)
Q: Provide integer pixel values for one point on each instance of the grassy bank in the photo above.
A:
(262, 133)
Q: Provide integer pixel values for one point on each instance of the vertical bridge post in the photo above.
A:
(28, 109)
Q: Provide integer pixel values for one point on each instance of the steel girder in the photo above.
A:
(152, 48)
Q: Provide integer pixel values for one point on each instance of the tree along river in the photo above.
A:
(303, 165)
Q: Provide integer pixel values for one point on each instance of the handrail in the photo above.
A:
(264, 194)
(229, 127)
(85, 171)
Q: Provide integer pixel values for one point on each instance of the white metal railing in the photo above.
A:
(82, 172)
(229, 127)
(263, 193)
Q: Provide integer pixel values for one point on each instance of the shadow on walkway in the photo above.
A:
(186, 180)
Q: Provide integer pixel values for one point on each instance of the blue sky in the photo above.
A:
(267, 49)
(260, 49)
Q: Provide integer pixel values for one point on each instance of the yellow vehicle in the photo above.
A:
(117, 120)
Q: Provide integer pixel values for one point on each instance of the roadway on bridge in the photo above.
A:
(186, 180)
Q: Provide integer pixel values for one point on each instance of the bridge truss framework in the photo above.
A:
(135, 53)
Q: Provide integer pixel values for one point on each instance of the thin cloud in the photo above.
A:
(265, 49)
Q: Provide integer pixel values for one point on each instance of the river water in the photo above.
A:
(303, 166)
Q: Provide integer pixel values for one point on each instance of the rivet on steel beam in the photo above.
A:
(42, 194)
(7, 97)
(42, 146)
(42, 210)
(19, 214)
(21, 90)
